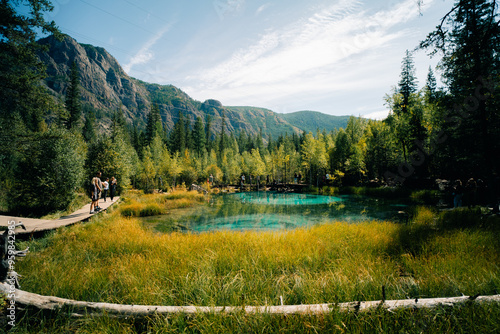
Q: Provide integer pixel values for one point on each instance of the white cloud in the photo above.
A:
(144, 55)
(312, 55)
(377, 115)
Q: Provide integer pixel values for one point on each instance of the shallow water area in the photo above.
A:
(264, 211)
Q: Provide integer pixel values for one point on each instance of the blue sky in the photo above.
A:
(338, 57)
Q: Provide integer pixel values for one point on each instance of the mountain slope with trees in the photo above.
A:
(311, 121)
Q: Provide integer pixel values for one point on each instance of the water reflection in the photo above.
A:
(274, 211)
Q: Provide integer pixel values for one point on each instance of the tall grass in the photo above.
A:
(137, 204)
(114, 259)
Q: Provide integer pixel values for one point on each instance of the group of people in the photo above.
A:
(471, 194)
(99, 187)
(297, 178)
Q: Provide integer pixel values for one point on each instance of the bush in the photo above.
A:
(151, 209)
(131, 210)
(137, 209)
(188, 176)
(49, 171)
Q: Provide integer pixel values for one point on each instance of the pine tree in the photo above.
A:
(270, 143)
(198, 136)
(24, 102)
(208, 133)
(136, 139)
(189, 136)
(118, 124)
(178, 136)
(407, 118)
(73, 102)
(468, 38)
(430, 87)
(222, 140)
(408, 83)
(242, 141)
(88, 130)
(153, 126)
(259, 143)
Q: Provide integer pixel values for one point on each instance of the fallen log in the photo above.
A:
(199, 188)
(81, 308)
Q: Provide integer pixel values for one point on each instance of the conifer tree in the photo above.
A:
(198, 136)
(259, 143)
(154, 125)
(24, 102)
(430, 86)
(408, 83)
(88, 130)
(208, 133)
(468, 38)
(270, 143)
(407, 117)
(189, 135)
(73, 102)
(119, 126)
(222, 140)
(136, 139)
(178, 136)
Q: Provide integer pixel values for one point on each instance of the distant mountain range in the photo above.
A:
(105, 87)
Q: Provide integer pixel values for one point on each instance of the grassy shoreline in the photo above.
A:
(115, 259)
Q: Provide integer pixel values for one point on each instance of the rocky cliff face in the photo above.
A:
(104, 84)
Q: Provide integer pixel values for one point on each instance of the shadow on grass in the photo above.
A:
(425, 223)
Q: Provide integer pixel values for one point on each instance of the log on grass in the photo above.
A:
(80, 308)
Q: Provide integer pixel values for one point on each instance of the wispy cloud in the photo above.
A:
(262, 8)
(145, 54)
(305, 56)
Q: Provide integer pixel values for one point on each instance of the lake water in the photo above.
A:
(274, 211)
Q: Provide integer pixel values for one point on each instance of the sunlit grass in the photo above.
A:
(140, 205)
(113, 258)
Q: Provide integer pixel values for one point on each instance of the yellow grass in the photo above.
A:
(115, 259)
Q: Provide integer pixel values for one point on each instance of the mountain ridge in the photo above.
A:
(311, 121)
(106, 87)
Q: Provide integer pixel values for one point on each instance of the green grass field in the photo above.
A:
(113, 258)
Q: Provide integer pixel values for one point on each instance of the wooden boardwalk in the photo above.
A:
(38, 226)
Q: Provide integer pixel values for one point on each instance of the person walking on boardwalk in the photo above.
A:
(96, 189)
(105, 188)
(458, 193)
(100, 190)
(112, 187)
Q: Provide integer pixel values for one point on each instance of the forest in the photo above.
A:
(450, 132)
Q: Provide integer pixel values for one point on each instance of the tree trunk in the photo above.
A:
(79, 308)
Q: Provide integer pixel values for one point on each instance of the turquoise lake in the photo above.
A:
(274, 211)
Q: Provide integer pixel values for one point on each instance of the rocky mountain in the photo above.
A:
(105, 88)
